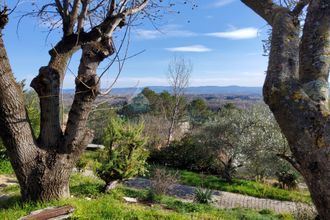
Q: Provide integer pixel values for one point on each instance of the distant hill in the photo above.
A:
(214, 90)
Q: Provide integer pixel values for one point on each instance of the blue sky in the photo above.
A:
(222, 38)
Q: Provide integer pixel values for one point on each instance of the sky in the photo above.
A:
(221, 38)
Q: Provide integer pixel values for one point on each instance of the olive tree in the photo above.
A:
(296, 88)
(43, 164)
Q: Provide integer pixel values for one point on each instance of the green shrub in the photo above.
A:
(184, 154)
(287, 180)
(124, 156)
(203, 196)
(81, 163)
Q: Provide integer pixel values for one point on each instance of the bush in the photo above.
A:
(184, 154)
(81, 163)
(287, 180)
(203, 196)
(162, 181)
(124, 156)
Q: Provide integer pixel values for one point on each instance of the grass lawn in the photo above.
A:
(246, 187)
(5, 167)
(111, 206)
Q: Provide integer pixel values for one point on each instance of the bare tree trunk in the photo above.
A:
(296, 89)
(173, 120)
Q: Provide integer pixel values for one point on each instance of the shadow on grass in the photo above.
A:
(86, 189)
(7, 202)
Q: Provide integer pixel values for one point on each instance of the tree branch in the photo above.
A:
(87, 89)
(59, 8)
(83, 15)
(314, 51)
(299, 7)
(264, 8)
(135, 9)
(15, 129)
(3, 18)
(291, 160)
(283, 58)
(74, 15)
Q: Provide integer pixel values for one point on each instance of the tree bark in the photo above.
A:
(43, 165)
(296, 90)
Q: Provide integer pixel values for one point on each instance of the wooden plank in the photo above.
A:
(50, 213)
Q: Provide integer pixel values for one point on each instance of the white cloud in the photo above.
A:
(239, 34)
(165, 31)
(191, 48)
(221, 3)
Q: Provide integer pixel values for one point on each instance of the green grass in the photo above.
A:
(111, 206)
(5, 167)
(245, 187)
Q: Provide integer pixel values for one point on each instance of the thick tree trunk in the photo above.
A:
(296, 89)
(317, 176)
(48, 179)
(43, 165)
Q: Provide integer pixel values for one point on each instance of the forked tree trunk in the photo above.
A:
(296, 89)
(43, 166)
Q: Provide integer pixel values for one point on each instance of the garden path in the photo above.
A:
(222, 199)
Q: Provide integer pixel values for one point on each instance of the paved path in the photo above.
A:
(222, 199)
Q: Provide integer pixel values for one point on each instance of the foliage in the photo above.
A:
(98, 120)
(33, 109)
(234, 140)
(185, 154)
(246, 187)
(266, 143)
(287, 180)
(81, 163)
(198, 111)
(156, 129)
(137, 106)
(203, 196)
(125, 155)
